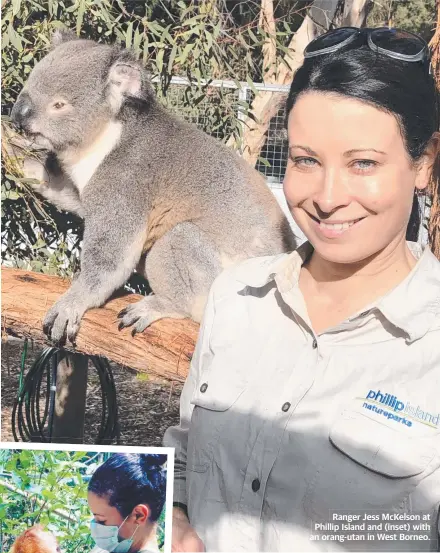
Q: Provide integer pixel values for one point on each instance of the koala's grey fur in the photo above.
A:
(145, 182)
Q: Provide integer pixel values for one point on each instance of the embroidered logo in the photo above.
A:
(399, 411)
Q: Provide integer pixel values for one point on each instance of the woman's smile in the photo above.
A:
(335, 228)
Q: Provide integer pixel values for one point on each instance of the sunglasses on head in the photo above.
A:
(394, 43)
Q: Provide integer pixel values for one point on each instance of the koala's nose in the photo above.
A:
(21, 111)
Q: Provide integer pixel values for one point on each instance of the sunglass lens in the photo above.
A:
(337, 36)
(400, 42)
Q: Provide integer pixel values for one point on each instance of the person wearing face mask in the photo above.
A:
(314, 390)
(126, 496)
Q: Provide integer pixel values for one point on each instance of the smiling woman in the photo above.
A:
(362, 144)
(314, 370)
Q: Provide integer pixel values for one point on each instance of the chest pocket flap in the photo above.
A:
(220, 386)
(380, 448)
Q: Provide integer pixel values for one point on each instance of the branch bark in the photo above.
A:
(267, 23)
(164, 349)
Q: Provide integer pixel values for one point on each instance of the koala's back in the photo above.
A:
(187, 175)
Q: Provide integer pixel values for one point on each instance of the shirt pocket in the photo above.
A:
(369, 466)
(220, 387)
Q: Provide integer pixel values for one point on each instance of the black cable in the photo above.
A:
(29, 424)
(52, 388)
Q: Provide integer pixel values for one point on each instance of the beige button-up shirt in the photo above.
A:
(282, 431)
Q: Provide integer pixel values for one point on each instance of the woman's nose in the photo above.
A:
(332, 192)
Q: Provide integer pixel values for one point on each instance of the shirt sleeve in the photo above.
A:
(177, 436)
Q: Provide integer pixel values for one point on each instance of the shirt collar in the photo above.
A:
(284, 268)
(413, 305)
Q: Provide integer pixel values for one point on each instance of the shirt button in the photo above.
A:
(203, 387)
(315, 344)
(255, 485)
(285, 407)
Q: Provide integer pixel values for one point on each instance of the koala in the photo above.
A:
(35, 540)
(157, 194)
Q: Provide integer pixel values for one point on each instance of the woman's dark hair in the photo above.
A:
(129, 479)
(404, 89)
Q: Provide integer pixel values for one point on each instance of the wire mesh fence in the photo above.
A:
(221, 103)
(213, 110)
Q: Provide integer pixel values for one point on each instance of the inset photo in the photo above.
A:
(73, 499)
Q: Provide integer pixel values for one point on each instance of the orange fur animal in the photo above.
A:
(35, 540)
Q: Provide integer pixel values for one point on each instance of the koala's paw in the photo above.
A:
(62, 320)
(145, 312)
(135, 314)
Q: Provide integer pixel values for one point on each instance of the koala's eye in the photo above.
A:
(58, 105)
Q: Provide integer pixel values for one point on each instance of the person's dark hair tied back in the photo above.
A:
(152, 462)
(130, 479)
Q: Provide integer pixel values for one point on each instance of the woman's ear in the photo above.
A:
(427, 162)
(141, 513)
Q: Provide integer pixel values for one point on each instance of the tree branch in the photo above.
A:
(165, 348)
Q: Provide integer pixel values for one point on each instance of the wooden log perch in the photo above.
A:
(165, 348)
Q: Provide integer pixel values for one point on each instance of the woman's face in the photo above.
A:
(107, 515)
(349, 181)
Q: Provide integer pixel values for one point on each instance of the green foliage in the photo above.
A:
(197, 39)
(416, 16)
(50, 488)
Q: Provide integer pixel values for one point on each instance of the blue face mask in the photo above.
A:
(107, 537)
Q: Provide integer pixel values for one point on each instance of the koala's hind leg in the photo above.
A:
(180, 269)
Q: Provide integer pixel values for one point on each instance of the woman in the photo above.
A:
(314, 389)
(126, 495)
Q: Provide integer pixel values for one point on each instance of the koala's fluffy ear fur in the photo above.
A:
(126, 79)
(62, 35)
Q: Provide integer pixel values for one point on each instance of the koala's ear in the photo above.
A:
(62, 35)
(125, 79)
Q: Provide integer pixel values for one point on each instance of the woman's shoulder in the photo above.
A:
(255, 272)
(414, 304)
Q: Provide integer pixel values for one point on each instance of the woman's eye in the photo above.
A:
(364, 164)
(304, 162)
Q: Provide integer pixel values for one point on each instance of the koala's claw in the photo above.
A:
(135, 314)
(46, 329)
(122, 313)
(145, 312)
(62, 321)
